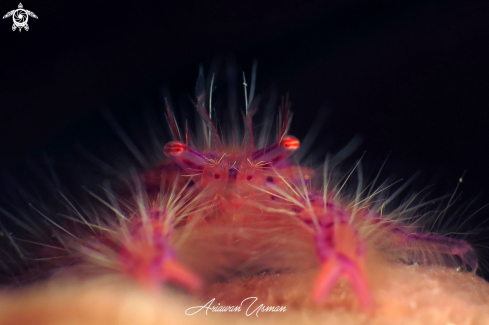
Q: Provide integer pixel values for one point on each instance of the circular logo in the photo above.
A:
(20, 17)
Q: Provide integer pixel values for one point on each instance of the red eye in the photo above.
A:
(174, 148)
(290, 143)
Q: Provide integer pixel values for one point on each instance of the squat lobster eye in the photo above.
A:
(290, 143)
(277, 152)
(174, 148)
(188, 158)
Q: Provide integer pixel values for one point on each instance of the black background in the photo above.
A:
(409, 77)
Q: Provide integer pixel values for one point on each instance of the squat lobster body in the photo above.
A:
(251, 184)
(257, 174)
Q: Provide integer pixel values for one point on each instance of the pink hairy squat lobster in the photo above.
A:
(239, 197)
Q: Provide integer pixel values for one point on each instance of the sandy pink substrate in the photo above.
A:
(403, 295)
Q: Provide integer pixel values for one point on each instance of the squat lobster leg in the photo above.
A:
(342, 254)
(151, 261)
(449, 251)
(431, 248)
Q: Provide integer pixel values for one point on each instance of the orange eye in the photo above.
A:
(290, 143)
(174, 148)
